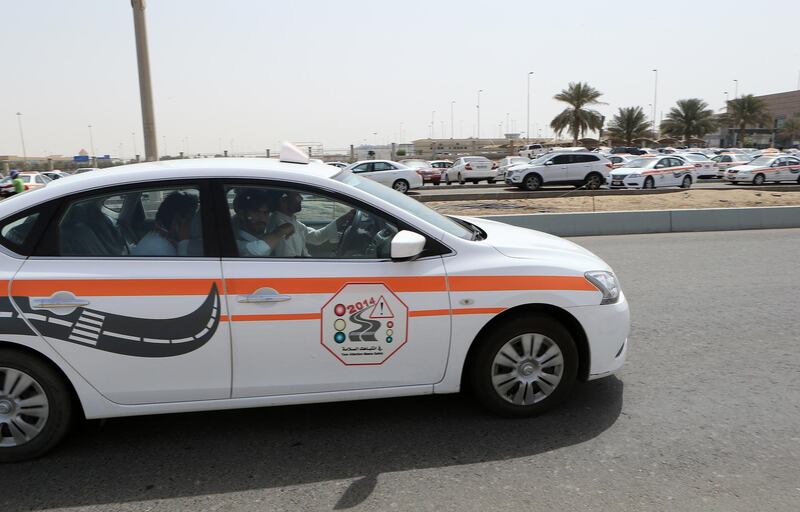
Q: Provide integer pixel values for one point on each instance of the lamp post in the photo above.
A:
(726, 100)
(655, 102)
(22, 136)
(478, 108)
(145, 88)
(452, 129)
(133, 138)
(91, 141)
(735, 89)
(528, 127)
(433, 124)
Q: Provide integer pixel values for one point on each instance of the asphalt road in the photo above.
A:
(704, 416)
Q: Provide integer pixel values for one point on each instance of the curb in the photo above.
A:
(656, 221)
(543, 194)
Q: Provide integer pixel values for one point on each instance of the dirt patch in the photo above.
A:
(679, 200)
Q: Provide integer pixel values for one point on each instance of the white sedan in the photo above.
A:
(652, 172)
(704, 167)
(777, 168)
(162, 288)
(392, 174)
(725, 161)
(472, 169)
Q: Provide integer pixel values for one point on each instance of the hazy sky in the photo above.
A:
(247, 74)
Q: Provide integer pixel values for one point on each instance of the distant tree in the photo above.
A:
(747, 110)
(576, 119)
(400, 152)
(628, 124)
(690, 118)
(790, 130)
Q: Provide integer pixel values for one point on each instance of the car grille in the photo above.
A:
(619, 177)
(732, 171)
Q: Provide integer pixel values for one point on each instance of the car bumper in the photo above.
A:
(607, 328)
(625, 183)
(515, 179)
(738, 177)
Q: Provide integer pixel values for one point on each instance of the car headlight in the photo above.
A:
(634, 175)
(606, 282)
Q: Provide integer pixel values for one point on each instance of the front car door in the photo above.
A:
(126, 286)
(337, 314)
(558, 170)
(792, 170)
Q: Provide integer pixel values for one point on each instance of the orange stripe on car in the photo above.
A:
(334, 284)
(503, 283)
(114, 287)
(268, 318)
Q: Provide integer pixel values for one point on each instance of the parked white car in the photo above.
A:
(506, 163)
(472, 169)
(532, 150)
(704, 167)
(653, 172)
(386, 298)
(725, 161)
(579, 168)
(776, 168)
(386, 172)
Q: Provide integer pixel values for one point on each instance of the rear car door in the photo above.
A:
(126, 285)
(383, 172)
(792, 171)
(340, 315)
(580, 167)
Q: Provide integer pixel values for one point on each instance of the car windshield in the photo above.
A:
(415, 164)
(542, 159)
(640, 162)
(762, 160)
(476, 159)
(406, 203)
(518, 160)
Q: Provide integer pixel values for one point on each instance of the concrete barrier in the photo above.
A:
(656, 221)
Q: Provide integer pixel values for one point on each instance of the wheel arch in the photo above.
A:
(561, 315)
(537, 173)
(76, 402)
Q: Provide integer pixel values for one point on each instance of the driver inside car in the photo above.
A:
(287, 205)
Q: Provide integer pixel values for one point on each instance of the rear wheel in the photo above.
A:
(649, 182)
(524, 366)
(758, 179)
(35, 407)
(400, 186)
(532, 182)
(461, 179)
(489, 181)
(687, 182)
(593, 181)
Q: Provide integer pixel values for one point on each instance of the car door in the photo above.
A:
(781, 170)
(383, 172)
(580, 167)
(792, 171)
(126, 286)
(343, 317)
(558, 168)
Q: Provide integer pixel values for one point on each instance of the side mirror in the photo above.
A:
(549, 162)
(407, 245)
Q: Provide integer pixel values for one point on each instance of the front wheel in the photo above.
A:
(649, 182)
(524, 366)
(758, 180)
(532, 182)
(461, 179)
(35, 407)
(687, 182)
(400, 186)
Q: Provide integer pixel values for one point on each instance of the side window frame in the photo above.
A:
(49, 243)
(227, 241)
(46, 211)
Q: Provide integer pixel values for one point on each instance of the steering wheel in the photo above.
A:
(382, 239)
(348, 234)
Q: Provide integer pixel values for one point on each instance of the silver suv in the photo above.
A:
(579, 168)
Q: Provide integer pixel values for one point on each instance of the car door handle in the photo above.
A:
(58, 303)
(263, 297)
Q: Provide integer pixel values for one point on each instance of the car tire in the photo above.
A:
(400, 186)
(687, 182)
(532, 182)
(45, 425)
(758, 180)
(490, 182)
(524, 366)
(593, 181)
(735, 182)
(447, 180)
(649, 182)
(461, 179)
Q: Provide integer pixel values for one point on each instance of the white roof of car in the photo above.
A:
(154, 172)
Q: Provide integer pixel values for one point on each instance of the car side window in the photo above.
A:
(160, 222)
(361, 168)
(277, 222)
(382, 166)
(561, 159)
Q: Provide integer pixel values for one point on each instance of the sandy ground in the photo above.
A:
(682, 199)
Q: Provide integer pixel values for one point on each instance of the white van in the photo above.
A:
(531, 150)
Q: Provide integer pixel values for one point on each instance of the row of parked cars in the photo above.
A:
(35, 179)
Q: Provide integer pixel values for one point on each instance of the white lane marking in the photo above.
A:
(182, 340)
(201, 333)
(88, 334)
(58, 321)
(80, 325)
(153, 340)
(6, 314)
(93, 315)
(33, 316)
(122, 336)
(83, 340)
(90, 320)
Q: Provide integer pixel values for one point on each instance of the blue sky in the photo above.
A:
(247, 74)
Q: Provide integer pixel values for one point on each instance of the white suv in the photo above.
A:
(579, 168)
(532, 150)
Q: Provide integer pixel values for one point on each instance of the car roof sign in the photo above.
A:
(292, 154)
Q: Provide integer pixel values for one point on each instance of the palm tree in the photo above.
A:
(747, 110)
(628, 124)
(690, 118)
(790, 130)
(577, 119)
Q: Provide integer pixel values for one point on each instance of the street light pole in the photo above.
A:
(145, 89)
(22, 136)
(726, 101)
(735, 89)
(452, 129)
(433, 124)
(478, 107)
(133, 138)
(528, 127)
(655, 99)
(91, 141)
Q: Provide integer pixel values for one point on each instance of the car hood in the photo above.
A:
(523, 243)
(745, 167)
(623, 171)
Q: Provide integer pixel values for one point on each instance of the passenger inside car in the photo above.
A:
(251, 214)
(171, 233)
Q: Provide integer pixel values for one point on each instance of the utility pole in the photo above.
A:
(433, 124)
(655, 98)
(22, 136)
(478, 107)
(528, 127)
(452, 130)
(145, 89)
(735, 89)
(91, 141)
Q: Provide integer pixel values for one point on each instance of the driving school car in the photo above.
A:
(777, 168)
(652, 172)
(134, 291)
